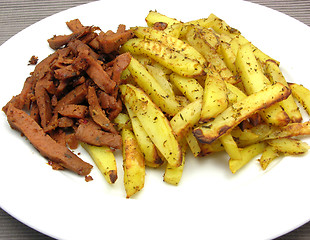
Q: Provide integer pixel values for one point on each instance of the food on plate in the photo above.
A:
(72, 95)
(157, 92)
(239, 111)
(154, 122)
(48, 147)
(254, 80)
(302, 95)
(105, 160)
(238, 104)
(133, 163)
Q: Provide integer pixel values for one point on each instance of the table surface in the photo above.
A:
(17, 15)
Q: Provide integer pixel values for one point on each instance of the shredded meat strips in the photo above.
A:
(72, 95)
(48, 147)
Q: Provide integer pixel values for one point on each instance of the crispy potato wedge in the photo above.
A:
(247, 154)
(193, 144)
(230, 146)
(291, 130)
(161, 77)
(289, 105)
(173, 174)
(146, 145)
(154, 122)
(262, 131)
(104, 159)
(250, 71)
(144, 60)
(121, 121)
(133, 163)
(302, 94)
(240, 40)
(189, 87)
(184, 120)
(229, 57)
(214, 22)
(254, 80)
(239, 111)
(208, 148)
(154, 17)
(231, 97)
(165, 56)
(289, 146)
(154, 90)
(171, 42)
(268, 155)
(204, 41)
(215, 96)
(182, 100)
(244, 135)
(234, 94)
(173, 28)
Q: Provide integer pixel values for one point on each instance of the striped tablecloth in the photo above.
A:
(17, 15)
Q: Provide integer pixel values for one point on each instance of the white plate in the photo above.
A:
(209, 202)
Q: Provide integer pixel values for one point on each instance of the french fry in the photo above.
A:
(104, 159)
(302, 94)
(122, 121)
(231, 97)
(289, 146)
(239, 95)
(247, 154)
(165, 56)
(214, 22)
(244, 135)
(240, 40)
(223, 38)
(208, 148)
(239, 111)
(146, 81)
(161, 77)
(189, 87)
(154, 17)
(174, 30)
(262, 132)
(169, 41)
(248, 67)
(146, 145)
(229, 57)
(181, 124)
(286, 146)
(231, 146)
(254, 80)
(173, 27)
(144, 60)
(215, 96)
(206, 43)
(268, 155)
(184, 120)
(133, 163)
(290, 130)
(220, 26)
(173, 174)
(153, 122)
(289, 105)
(193, 144)
(182, 100)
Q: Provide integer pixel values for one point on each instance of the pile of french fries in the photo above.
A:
(202, 86)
